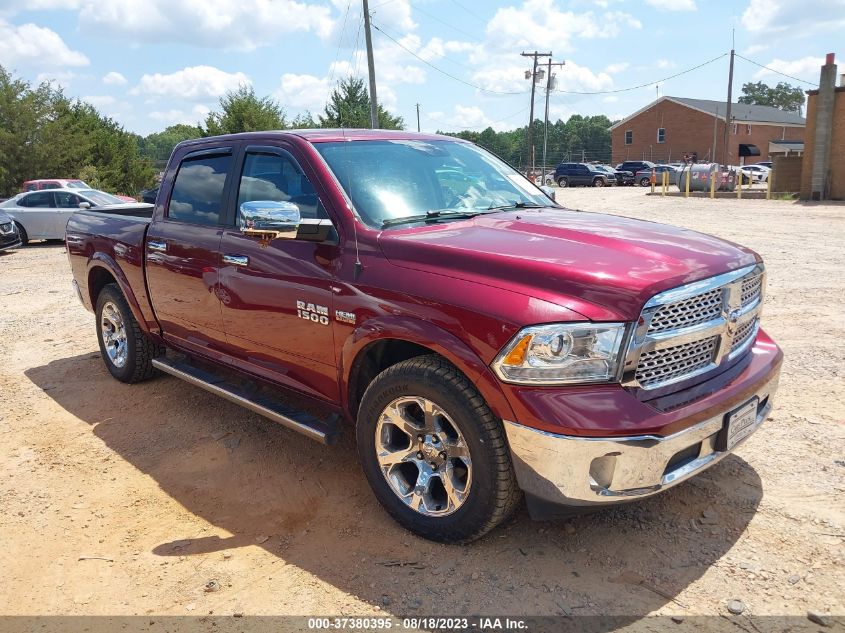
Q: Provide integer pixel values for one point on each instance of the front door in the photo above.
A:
(276, 295)
(183, 252)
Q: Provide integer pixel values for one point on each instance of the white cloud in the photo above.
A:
(538, 23)
(171, 117)
(666, 63)
(242, 25)
(806, 68)
(61, 78)
(303, 92)
(100, 101)
(619, 67)
(114, 79)
(194, 83)
(768, 17)
(673, 5)
(34, 46)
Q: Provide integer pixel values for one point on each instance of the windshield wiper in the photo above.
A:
(434, 214)
(517, 205)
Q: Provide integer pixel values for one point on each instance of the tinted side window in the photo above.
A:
(65, 200)
(197, 196)
(276, 178)
(41, 200)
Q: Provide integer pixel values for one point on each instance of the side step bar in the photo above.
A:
(325, 432)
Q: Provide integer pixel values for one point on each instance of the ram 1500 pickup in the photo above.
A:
(480, 340)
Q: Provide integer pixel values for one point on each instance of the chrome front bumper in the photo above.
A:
(588, 471)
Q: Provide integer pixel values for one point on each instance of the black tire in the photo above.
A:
(645, 182)
(598, 182)
(22, 232)
(493, 494)
(562, 182)
(139, 349)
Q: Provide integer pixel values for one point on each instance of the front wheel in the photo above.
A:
(433, 452)
(126, 350)
(598, 182)
(645, 182)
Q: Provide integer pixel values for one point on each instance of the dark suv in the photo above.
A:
(635, 165)
(574, 174)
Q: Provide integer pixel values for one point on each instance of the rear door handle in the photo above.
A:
(236, 260)
(157, 246)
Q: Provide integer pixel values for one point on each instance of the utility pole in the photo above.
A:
(371, 67)
(549, 86)
(727, 139)
(530, 131)
(418, 117)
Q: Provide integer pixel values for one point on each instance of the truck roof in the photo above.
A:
(332, 135)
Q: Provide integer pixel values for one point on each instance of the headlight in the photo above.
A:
(562, 353)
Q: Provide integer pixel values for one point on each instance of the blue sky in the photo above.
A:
(151, 63)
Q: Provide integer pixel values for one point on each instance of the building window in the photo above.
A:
(661, 135)
(629, 137)
(748, 128)
(736, 129)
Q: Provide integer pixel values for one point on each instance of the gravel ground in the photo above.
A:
(130, 499)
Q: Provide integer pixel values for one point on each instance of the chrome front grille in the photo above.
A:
(693, 330)
(669, 363)
(692, 311)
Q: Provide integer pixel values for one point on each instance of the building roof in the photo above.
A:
(740, 112)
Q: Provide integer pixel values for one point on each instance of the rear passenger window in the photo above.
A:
(197, 196)
(41, 200)
(277, 178)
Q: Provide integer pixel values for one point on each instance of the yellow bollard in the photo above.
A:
(739, 186)
(769, 187)
(713, 171)
(665, 183)
(686, 187)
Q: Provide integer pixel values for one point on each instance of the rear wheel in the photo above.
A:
(645, 182)
(433, 452)
(562, 182)
(22, 233)
(126, 350)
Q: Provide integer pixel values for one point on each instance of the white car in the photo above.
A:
(43, 215)
(757, 173)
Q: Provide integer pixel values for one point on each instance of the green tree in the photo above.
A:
(783, 96)
(158, 146)
(242, 111)
(349, 106)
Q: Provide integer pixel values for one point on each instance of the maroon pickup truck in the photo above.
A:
(480, 340)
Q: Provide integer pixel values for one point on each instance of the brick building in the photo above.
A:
(671, 127)
(823, 172)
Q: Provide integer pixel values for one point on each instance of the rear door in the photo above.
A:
(36, 213)
(183, 251)
(276, 294)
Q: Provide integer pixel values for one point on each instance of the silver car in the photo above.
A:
(43, 215)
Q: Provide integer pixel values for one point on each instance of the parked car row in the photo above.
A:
(43, 214)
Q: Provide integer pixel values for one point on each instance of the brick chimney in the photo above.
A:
(819, 186)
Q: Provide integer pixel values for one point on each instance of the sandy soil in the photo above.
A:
(130, 499)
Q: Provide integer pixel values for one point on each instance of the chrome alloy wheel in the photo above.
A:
(423, 456)
(113, 331)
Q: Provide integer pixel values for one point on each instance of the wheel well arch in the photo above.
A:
(98, 278)
(373, 359)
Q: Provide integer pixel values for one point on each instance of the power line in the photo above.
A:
(440, 70)
(443, 22)
(645, 85)
(751, 61)
(473, 14)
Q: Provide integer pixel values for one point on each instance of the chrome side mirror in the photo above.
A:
(270, 219)
(548, 191)
(84, 205)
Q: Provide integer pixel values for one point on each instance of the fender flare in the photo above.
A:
(425, 334)
(106, 262)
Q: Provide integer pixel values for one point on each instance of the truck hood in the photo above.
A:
(602, 266)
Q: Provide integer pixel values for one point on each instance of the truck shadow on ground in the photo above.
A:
(261, 485)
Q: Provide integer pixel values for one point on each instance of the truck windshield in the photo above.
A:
(388, 180)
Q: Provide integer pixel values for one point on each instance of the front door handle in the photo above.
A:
(157, 246)
(236, 260)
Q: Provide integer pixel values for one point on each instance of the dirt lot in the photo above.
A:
(166, 487)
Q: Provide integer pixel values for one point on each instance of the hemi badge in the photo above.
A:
(344, 317)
